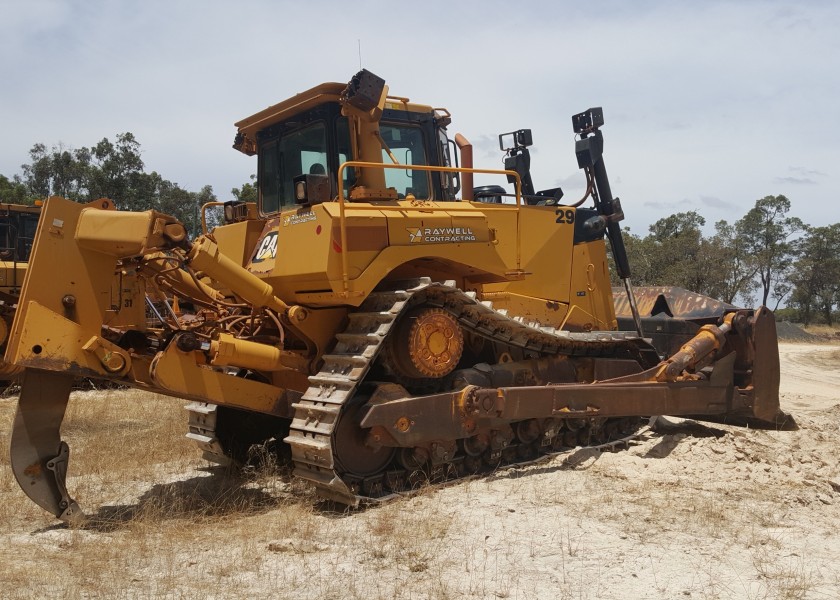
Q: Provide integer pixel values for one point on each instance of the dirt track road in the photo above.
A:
(810, 381)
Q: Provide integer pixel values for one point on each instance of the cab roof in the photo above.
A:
(248, 127)
(320, 94)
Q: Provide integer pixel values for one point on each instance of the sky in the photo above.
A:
(709, 106)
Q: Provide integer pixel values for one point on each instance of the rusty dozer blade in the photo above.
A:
(766, 369)
(38, 455)
(748, 338)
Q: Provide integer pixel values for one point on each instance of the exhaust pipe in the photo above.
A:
(466, 162)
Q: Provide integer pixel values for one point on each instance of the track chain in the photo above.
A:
(201, 429)
(317, 412)
(623, 443)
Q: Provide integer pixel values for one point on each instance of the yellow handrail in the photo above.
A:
(204, 208)
(345, 267)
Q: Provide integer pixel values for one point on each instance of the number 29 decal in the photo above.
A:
(565, 216)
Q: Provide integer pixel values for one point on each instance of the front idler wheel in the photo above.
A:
(352, 451)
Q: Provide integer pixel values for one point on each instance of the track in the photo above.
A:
(330, 396)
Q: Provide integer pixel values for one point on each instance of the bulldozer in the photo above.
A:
(18, 223)
(375, 315)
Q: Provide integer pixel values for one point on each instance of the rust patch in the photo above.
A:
(50, 362)
(35, 470)
(670, 301)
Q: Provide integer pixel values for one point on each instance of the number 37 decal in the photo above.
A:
(565, 216)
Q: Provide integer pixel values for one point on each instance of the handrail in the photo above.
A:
(204, 208)
(345, 267)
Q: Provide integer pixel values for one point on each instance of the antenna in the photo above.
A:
(360, 52)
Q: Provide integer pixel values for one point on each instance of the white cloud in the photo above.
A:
(702, 100)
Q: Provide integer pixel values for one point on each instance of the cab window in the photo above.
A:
(450, 181)
(28, 227)
(345, 154)
(406, 144)
(280, 160)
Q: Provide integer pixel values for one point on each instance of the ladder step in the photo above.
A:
(201, 439)
(330, 409)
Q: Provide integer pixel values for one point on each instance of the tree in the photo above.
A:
(676, 253)
(56, 172)
(735, 273)
(672, 253)
(109, 170)
(14, 191)
(116, 169)
(637, 255)
(106, 170)
(677, 225)
(201, 198)
(248, 192)
(170, 198)
(765, 231)
(816, 274)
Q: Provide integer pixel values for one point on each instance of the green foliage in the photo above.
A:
(108, 169)
(116, 170)
(787, 313)
(766, 231)
(14, 192)
(755, 253)
(248, 191)
(816, 276)
(676, 253)
(760, 252)
(733, 271)
(683, 226)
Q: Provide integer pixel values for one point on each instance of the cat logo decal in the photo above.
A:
(267, 248)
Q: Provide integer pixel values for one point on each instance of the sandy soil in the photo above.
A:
(703, 512)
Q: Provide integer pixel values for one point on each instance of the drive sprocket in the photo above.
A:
(429, 343)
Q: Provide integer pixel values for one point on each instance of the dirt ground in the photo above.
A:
(704, 512)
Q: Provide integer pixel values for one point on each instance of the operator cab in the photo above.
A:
(303, 141)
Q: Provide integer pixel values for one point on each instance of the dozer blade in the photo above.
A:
(39, 457)
(767, 371)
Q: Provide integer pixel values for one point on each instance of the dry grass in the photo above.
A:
(823, 334)
(155, 508)
(823, 330)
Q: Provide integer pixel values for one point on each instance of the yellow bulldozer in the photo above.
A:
(378, 317)
(17, 233)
